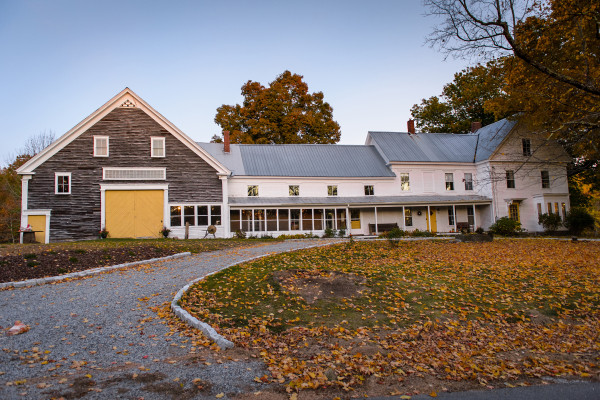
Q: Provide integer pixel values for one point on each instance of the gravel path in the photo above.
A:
(97, 337)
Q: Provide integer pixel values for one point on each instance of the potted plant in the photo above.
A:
(103, 233)
(165, 232)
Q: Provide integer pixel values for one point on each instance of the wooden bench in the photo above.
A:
(462, 226)
(381, 228)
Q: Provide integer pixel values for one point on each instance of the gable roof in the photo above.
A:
(125, 98)
(302, 160)
(441, 147)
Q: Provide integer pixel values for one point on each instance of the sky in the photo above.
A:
(61, 60)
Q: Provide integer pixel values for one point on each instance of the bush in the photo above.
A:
(329, 233)
(395, 233)
(341, 233)
(506, 227)
(240, 234)
(479, 231)
(418, 233)
(578, 220)
(550, 221)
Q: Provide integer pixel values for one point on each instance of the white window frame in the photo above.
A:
(253, 193)
(293, 190)
(62, 174)
(152, 148)
(404, 187)
(107, 146)
(449, 183)
(332, 190)
(468, 182)
(163, 170)
(372, 190)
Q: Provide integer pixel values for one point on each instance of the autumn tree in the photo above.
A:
(552, 74)
(462, 101)
(284, 112)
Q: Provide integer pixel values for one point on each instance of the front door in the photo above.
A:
(134, 213)
(433, 221)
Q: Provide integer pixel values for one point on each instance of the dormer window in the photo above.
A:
(157, 146)
(100, 146)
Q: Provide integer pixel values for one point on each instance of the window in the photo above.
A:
(539, 210)
(404, 181)
(157, 146)
(332, 190)
(450, 216)
(295, 220)
(318, 214)
(549, 208)
(252, 190)
(408, 217)
(307, 217)
(369, 190)
(545, 180)
(294, 190)
(100, 146)
(175, 215)
(284, 220)
(62, 183)
(468, 181)
(510, 179)
(513, 212)
(271, 219)
(450, 181)
(215, 215)
(134, 174)
(234, 220)
(189, 216)
(526, 147)
(556, 208)
(564, 211)
(203, 216)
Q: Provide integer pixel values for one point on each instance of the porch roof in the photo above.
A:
(358, 201)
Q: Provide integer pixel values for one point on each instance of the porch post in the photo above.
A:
(474, 218)
(454, 211)
(403, 218)
(376, 229)
(427, 219)
(348, 222)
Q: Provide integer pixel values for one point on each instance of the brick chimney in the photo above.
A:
(411, 126)
(475, 126)
(226, 146)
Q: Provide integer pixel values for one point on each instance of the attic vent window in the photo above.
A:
(127, 104)
(134, 174)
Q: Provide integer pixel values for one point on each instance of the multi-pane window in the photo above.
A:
(404, 181)
(100, 146)
(450, 216)
(62, 183)
(549, 208)
(449, 181)
(196, 215)
(510, 179)
(471, 217)
(468, 181)
(252, 190)
(545, 180)
(157, 146)
(564, 211)
(539, 210)
(332, 190)
(408, 217)
(263, 220)
(294, 190)
(526, 147)
(369, 190)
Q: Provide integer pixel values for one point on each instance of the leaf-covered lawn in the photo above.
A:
(29, 261)
(505, 311)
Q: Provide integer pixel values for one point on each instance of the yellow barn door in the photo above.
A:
(134, 213)
(38, 224)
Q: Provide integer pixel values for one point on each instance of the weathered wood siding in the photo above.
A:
(77, 215)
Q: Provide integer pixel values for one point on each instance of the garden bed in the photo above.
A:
(30, 261)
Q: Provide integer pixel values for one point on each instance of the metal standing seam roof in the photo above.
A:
(301, 160)
(490, 137)
(354, 201)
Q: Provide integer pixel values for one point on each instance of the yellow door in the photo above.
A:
(134, 213)
(38, 224)
(433, 221)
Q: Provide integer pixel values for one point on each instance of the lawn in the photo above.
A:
(376, 318)
(29, 261)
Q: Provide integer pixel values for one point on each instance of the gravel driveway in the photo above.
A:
(97, 337)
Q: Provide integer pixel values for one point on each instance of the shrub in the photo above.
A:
(73, 259)
(341, 233)
(395, 233)
(329, 233)
(479, 231)
(418, 233)
(506, 227)
(550, 221)
(165, 232)
(30, 256)
(578, 220)
(240, 234)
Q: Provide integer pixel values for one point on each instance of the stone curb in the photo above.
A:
(89, 272)
(208, 330)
